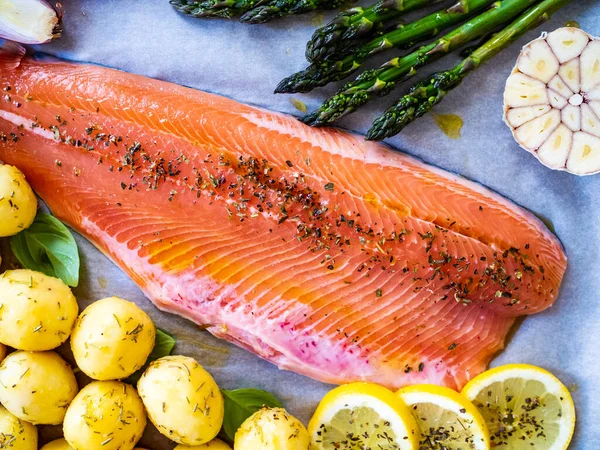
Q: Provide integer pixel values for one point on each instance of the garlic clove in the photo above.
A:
(590, 123)
(518, 116)
(522, 90)
(557, 84)
(554, 152)
(595, 107)
(29, 21)
(590, 67)
(567, 43)
(539, 62)
(533, 133)
(571, 117)
(594, 95)
(556, 100)
(584, 157)
(571, 74)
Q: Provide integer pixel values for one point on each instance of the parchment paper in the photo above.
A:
(246, 62)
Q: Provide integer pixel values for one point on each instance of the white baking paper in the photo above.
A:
(245, 63)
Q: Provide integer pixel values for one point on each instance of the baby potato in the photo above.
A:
(37, 386)
(15, 433)
(18, 205)
(105, 415)
(271, 429)
(216, 444)
(112, 339)
(58, 444)
(182, 399)
(37, 312)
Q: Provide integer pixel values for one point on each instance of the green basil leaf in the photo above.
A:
(48, 246)
(241, 404)
(163, 346)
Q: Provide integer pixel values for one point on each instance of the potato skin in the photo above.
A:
(37, 386)
(215, 444)
(37, 312)
(61, 444)
(105, 415)
(58, 444)
(182, 399)
(272, 429)
(112, 339)
(25, 434)
(18, 205)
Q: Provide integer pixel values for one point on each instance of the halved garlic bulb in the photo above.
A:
(552, 100)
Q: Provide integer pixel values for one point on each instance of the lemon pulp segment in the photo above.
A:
(447, 420)
(357, 428)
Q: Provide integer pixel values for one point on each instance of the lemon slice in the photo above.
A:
(362, 416)
(524, 407)
(447, 419)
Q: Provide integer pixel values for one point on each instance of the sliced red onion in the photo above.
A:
(29, 21)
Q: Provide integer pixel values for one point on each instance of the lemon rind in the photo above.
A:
(383, 401)
(529, 372)
(450, 400)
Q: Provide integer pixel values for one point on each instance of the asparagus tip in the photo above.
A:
(379, 130)
(260, 14)
(303, 81)
(285, 86)
(311, 119)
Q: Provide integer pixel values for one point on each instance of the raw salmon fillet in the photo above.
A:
(333, 257)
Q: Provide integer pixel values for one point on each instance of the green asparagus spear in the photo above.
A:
(324, 72)
(214, 8)
(357, 23)
(279, 8)
(382, 81)
(425, 95)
